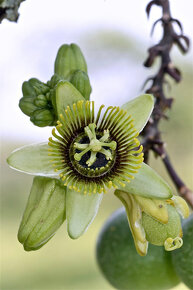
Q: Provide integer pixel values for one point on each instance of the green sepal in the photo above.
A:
(149, 184)
(80, 81)
(140, 110)
(69, 58)
(66, 95)
(45, 212)
(81, 210)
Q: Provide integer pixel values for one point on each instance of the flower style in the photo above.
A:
(89, 153)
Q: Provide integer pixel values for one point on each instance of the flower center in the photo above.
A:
(95, 145)
(92, 152)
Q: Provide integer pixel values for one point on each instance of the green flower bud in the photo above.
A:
(53, 81)
(80, 80)
(38, 86)
(44, 213)
(42, 118)
(27, 105)
(160, 234)
(28, 90)
(38, 101)
(41, 101)
(69, 58)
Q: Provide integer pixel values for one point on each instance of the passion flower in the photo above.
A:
(91, 152)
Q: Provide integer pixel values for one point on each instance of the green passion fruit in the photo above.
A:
(183, 257)
(123, 267)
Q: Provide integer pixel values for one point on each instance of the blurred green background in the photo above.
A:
(65, 264)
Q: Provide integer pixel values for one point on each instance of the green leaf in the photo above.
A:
(80, 211)
(32, 159)
(140, 109)
(149, 184)
(66, 95)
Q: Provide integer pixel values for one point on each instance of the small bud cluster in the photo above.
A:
(38, 101)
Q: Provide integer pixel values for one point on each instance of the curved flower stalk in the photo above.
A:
(90, 152)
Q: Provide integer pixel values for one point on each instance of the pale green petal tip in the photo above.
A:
(32, 159)
(140, 109)
(73, 233)
(81, 211)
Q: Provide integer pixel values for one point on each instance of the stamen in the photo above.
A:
(99, 114)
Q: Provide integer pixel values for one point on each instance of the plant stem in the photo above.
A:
(152, 139)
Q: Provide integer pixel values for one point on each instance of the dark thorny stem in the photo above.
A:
(152, 139)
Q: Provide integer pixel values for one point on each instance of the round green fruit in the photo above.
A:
(123, 267)
(183, 257)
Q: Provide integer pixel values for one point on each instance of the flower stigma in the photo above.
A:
(95, 145)
(92, 153)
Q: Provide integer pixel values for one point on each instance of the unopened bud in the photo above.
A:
(40, 101)
(27, 105)
(44, 213)
(54, 81)
(42, 118)
(37, 102)
(69, 58)
(80, 80)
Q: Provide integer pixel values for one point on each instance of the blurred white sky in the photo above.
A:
(28, 49)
